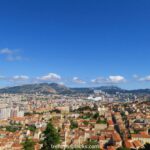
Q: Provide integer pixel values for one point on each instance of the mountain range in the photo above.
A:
(54, 88)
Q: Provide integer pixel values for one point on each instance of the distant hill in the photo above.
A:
(114, 89)
(54, 88)
(44, 88)
(140, 91)
(110, 89)
(83, 90)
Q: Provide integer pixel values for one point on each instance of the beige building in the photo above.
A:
(143, 138)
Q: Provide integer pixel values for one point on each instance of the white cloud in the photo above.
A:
(19, 78)
(13, 58)
(147, 78)
(116, 79)
(139, 78)
(77, 80)
(98, 80)
(6, 51)
(50, 77)
(110, 80)
(11, 55)
(16, 78)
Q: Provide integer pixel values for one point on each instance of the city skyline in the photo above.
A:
(76, 43)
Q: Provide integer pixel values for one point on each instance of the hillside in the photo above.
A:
(44, 88)
(54, 88)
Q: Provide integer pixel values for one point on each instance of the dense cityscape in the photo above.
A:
(78, 121)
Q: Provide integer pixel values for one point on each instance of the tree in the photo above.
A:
(149, 130)
(85, 122)
(32, 128)
(28, 144)
(51, 137)
(146, 147)
(73, 124)
(12, 128)
(96, 116)
(99, 121)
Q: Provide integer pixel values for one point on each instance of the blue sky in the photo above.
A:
(75, 42)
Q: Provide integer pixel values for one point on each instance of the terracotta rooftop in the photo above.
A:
(116, 137)
(111, 148)
(137, 143)
(129, 144)
(140, 136)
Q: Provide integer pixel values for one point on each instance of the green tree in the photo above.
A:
(96, 116)
(28, 144)
(99, 121)
(51, 137)
(146, 147)
(85, 122)
(73, 124)
(32, 128)
(12, 128)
